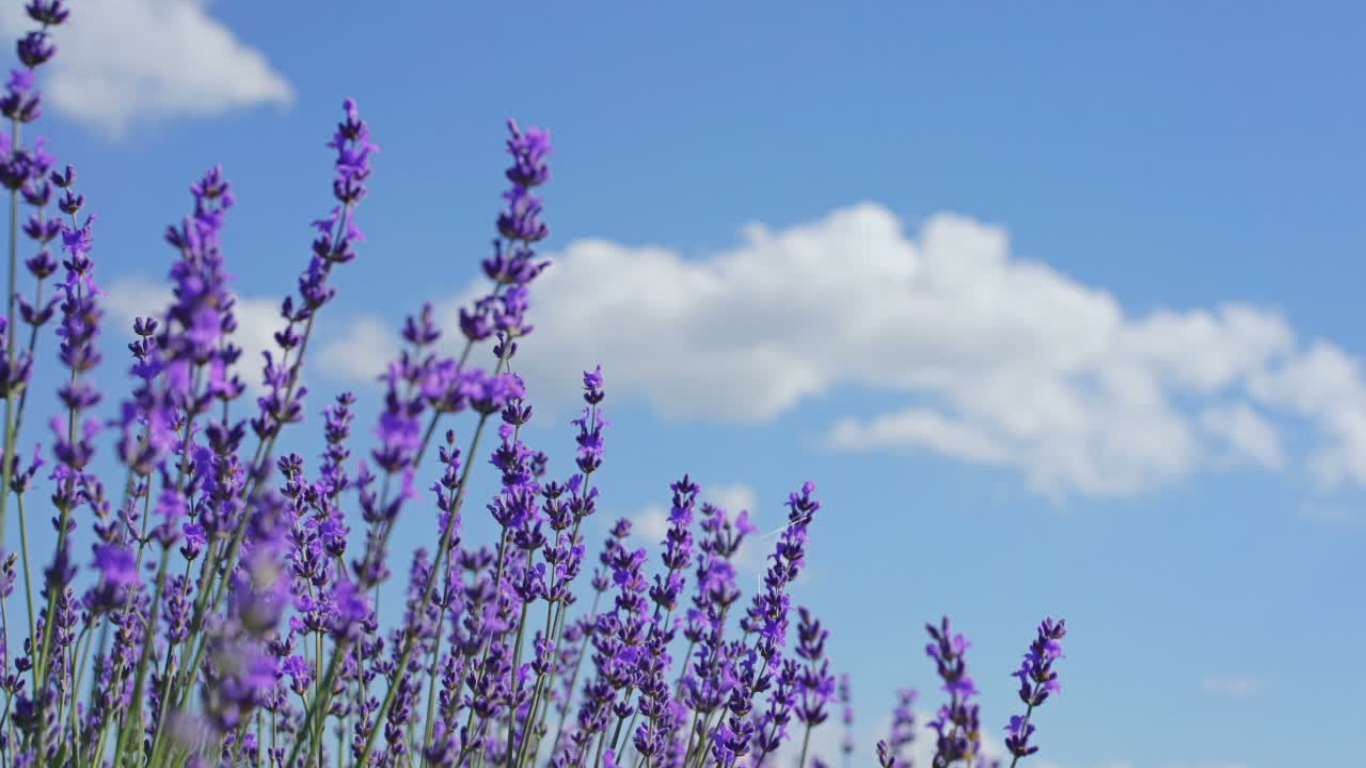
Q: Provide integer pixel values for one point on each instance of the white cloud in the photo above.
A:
(120, 62)
(357, 355)
(1325, 384)
(919, 427)
(1232, 686)
(732, 497)
(1001, 360)
(650, 524)
(1249, 437)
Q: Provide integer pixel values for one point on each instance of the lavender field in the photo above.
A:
(349, 421)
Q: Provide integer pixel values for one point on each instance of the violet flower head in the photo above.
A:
(241, 675)
(1038, 681)
(903, 731)
(22, 477)
(333, 244)
(352, 609)
(846, 717)
(678, 546)
(80, 313)
(767, 615)
(267, 580)
(591, 426)
(49, 13)
(259, 592)
(816, 686)
(529, 151)
(592, 386)
(354, 148)
(21, 102)
(193, 347)
(958, 723)
(118, 575)
(521, 220)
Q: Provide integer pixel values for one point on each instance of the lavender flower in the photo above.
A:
(847, 719)
(1038, 681)
(958, 724)
(231, 611)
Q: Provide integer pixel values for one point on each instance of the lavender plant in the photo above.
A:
(229, 615)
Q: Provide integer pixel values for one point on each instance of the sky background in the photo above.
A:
(1058, 305)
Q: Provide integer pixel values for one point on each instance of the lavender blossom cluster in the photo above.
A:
(229, 612)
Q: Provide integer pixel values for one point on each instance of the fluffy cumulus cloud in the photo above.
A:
(1001, 361)
(122, 61)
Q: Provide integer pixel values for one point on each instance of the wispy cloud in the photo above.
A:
(1001, 360)
(650, 524)
(120, 62)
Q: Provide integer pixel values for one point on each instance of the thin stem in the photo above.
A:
(1029, 710)
(12, 295)
(516, 665)
(431, 688)
(806, 743)
(320, 697)
(32, 347)
(133, 720)
(323, 719)
(28, 578)
(264, 450)
(573, 681)
(410, 643)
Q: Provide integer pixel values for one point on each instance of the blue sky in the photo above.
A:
(1059, 306)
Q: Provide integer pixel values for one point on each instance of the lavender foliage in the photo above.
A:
(228, 611)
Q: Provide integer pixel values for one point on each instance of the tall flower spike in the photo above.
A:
(337, 234)
(1038, 680)
(958, 723)
(847, 719)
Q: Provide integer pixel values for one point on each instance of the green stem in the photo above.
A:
(319, 726)
(320, 702)
(806, 743)
(516, 665)
(164, 694)
(83, 644)
(573, 681)
(410, 643)
(11, 330)
(28, 578)
(133, 721)
(431, 688)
